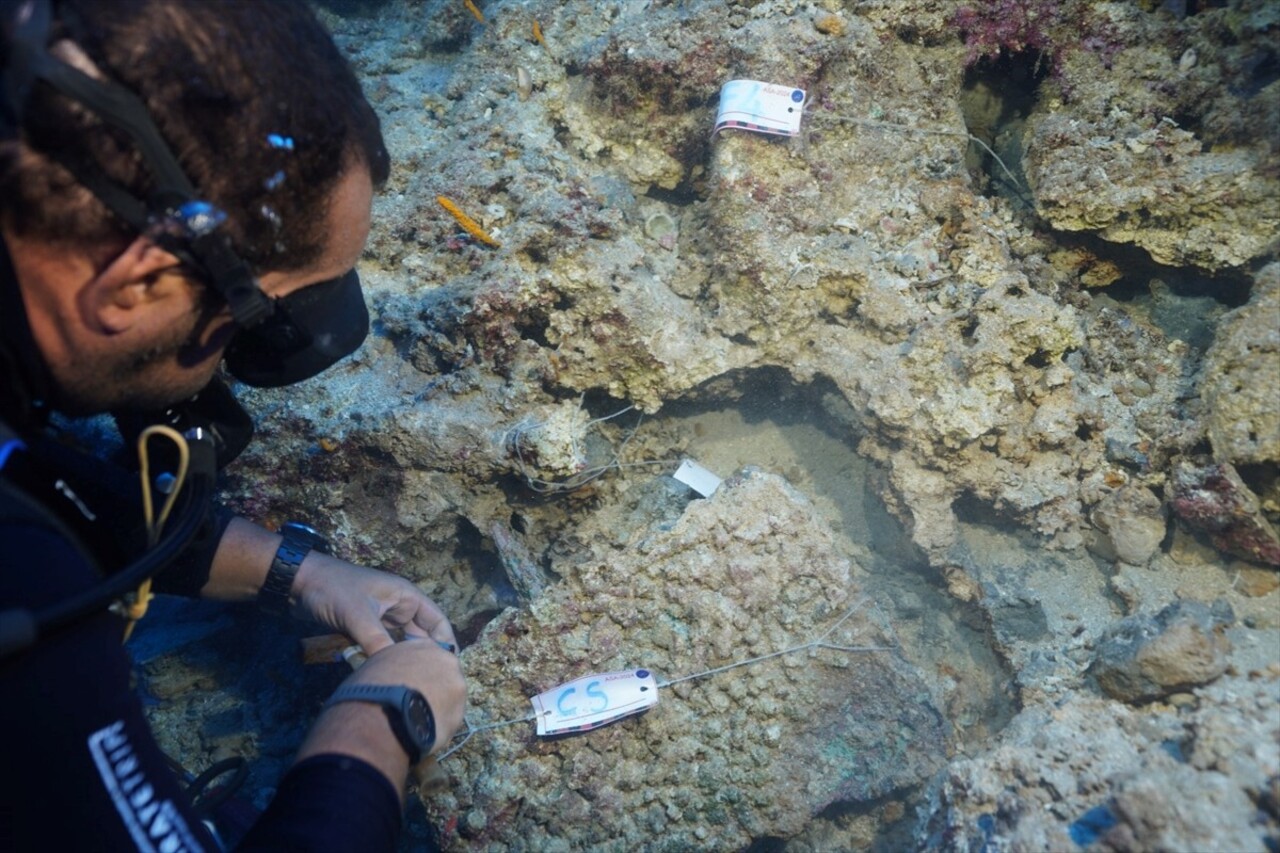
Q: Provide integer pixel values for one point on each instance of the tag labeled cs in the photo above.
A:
(594, 700)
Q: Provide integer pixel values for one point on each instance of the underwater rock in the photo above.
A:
(1149, 813)
(1241, 376)
(1087, 770)
(550, 444)
(1133, 520)
(522, 568)
(862, 253)
(1184, 645)
(1256, 583)
(1128, 145)
(751, 752)
(1152, 186)
(1214, 498)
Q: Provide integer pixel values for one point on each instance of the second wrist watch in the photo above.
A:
(407, 710)
(299, 540)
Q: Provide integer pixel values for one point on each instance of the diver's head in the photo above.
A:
(137, 137)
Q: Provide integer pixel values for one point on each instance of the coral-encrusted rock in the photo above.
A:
(1183, 646)
(1149, 813)
(721, 760)
(1214, 499)
(1156, 189)
(1143, 146)
(1241, 385)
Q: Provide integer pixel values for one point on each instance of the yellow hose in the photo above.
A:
(134, 605)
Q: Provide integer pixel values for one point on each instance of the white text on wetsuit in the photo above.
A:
(154, 824)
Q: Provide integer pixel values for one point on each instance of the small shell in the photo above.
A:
(659, 225)
(493, 215)
(524, 83)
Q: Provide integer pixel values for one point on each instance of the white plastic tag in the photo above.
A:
(762, 107)
(594, 700)
(697, 478)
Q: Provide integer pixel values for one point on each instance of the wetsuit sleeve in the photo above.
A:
(329, 803)
(81, 769)
(188, 574)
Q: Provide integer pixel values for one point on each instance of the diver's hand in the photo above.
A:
(364, 604)
(367, 604)
(360, 729)
(423, 665)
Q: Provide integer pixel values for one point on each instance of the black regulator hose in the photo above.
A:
(206, 800)
(21, 628)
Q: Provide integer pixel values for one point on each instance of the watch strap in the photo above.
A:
(298, 541)
(391, 695)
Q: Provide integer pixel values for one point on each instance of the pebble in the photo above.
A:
(1142, 658)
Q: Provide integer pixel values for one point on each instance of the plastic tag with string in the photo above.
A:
(760, 107)
(594, 700)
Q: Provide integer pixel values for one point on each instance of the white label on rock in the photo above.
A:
(594, 700)
(697, 478)
(761, 107)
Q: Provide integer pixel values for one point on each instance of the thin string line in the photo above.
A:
(911, 128)
(591, 473)
(817, 642)
(474, 730)
(610, 417)
(813, 644)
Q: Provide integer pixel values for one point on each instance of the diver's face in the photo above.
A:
(181, 353)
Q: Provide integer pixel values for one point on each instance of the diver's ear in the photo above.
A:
(138, 289)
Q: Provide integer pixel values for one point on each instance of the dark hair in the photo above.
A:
(254, 99)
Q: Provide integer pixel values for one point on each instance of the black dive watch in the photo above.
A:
(407, 709)
(299, 540)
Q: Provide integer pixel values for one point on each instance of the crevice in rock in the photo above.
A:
(1261, 70)
(532, 326)
(1263, 479)
(971, 509)
(1186, 8)
(895, 814)
(1183, 302)
(682, 195)
(475, 550)
(1137, 268)
(353, 8)
(997, 97)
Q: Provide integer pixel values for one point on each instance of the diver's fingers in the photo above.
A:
(426, 620)
(367, 629)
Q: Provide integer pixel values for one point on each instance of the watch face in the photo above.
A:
(422, 723)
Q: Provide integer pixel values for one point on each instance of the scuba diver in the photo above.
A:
(183, 184)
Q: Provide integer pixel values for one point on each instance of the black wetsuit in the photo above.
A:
(79, 768)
